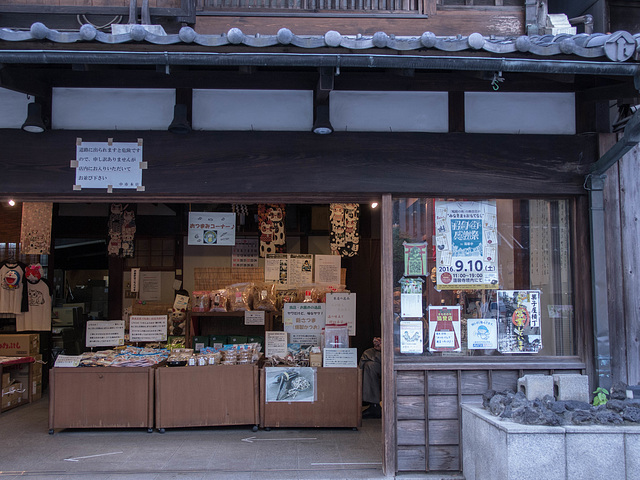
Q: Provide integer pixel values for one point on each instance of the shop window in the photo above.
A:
(484, 277)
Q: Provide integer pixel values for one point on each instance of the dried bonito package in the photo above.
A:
(264, 297)
(322, 290)
(286, 296)
(200, 301)
(219, 300)
(240, 297)
(307, 294)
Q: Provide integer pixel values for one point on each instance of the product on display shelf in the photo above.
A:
(219, 300)
(200, 302)
(177, 322)
(240, 295)
(264, 297)
(124, 357)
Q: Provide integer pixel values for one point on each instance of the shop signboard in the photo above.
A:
(444, 329)
(304, 322)
(290, 384)
(519, 321)
(104, 333)
(108, 165)
(212, 228)
(466, 245)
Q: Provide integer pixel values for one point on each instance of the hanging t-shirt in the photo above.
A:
(13, 295)
(39, 315)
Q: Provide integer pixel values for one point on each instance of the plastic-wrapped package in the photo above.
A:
(264, 297)
(307, 295)
(240, 297)
(336, 336)
(286, 296)
(219, 301)
(200, 301)
(322, 290)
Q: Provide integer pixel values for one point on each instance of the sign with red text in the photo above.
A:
(341, 309)
(212, 228)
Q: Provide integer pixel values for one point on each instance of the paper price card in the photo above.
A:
(254, 317)
(67, 360)
(148, 328)
(340, 357)
(466, 245)
(105, 334)
(275, 344)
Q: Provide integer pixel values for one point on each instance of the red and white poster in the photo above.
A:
(444, 329)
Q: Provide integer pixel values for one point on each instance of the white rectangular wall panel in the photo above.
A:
(264, 110)
(389, 111)
(520, 113)
(112, 108)
(13, 108)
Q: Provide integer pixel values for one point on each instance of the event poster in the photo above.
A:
(444, 329)
(466, 245)
(482, 333)
(519, 321)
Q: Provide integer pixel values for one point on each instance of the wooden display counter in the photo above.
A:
(207, 396)
(101, 397)
(338, 404)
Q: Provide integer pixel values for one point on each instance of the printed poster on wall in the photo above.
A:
(411, 336)
(482, 333)
(519, 321)
(244, 253)
(415, 259)
(444, 329)
(212, 228)
(304, 322)
(290, 384)
(466, 245)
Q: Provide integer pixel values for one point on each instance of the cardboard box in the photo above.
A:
(19, 344)
(6, 379)
(36, 367)
(315, 359)
(12, 395)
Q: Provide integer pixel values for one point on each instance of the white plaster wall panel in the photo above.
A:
(389, 111)
(13, 108)
(527, 112)
(258, 110)
(112, 108)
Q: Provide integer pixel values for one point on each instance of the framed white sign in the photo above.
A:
(212, 228)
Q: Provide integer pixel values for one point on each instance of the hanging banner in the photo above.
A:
(415, 259)
(444, 329)
(212, 228)
(466, 245)
(482, 333)
(519, 321)
(36, 228)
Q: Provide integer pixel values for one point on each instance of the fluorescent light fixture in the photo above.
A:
(112, 108)
(520, 113)
(357, 111)
(12, 108)
(262, 110)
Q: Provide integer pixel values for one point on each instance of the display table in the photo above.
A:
(101, 397)
(338, 404)
(207, 396)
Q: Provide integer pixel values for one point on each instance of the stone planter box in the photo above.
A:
(503, 450)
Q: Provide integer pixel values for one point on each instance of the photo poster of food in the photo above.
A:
(444, 329)
(212, 228)
(415, 259)
(466, 245)
(519, 321)
(290, 384)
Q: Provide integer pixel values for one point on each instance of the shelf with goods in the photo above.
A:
(229, 324)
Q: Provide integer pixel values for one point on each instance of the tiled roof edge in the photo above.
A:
(617, 47)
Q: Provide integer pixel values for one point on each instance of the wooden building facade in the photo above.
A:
(411, 88)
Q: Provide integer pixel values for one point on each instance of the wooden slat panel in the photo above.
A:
(410, 407)
(444, 407)
(411, 432)
(445, 382)
(503, 380)
(410, 383)
(475, 382)
(536, 372)
(471, 399)
(411, 459)
(444, 432)
(444, 458)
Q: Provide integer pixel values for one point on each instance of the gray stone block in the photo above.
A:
(535, 386)
(595, 455)
(571, 387)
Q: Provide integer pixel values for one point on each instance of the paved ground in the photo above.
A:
(27, 451)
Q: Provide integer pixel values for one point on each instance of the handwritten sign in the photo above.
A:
(341, 308)
(304, 321)
(255, 317)
(148, 328)
(67, 360)
(275, 344)
(105, 334)
(212, 228)
(340, 357)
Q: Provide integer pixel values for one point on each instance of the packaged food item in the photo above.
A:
(219, 300)
(264, 297)
(307, 294)
(200, 301)
(336, 336)
(322, 290)
(286, 296)
(240, 297)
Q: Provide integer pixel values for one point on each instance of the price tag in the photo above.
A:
(67, 361)
(255, 317)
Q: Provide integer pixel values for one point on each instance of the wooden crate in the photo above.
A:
(207, 396)
(101, 397)
(338, 404)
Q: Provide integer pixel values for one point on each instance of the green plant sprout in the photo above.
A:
(600, 396)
